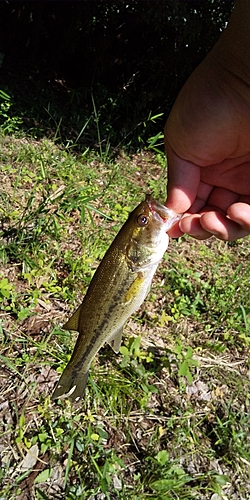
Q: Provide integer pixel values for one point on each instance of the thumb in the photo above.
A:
(183, 182)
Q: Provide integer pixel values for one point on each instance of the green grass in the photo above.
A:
(167, 418)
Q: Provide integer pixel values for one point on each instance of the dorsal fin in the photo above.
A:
(73, 321)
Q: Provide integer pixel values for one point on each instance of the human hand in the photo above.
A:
(208, 148)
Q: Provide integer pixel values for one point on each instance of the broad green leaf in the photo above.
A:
(43, 476)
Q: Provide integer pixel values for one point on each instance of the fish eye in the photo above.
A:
(142, 220)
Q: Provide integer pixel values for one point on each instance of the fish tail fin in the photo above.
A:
(71, 385)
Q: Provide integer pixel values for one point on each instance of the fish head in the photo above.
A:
(149, 223)
(151, 218)
(162, 216)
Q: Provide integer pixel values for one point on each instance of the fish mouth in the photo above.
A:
(165, 215)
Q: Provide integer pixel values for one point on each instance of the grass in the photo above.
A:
(167, 418)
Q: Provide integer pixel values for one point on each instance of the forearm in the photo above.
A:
(233, 47)
(239, 25)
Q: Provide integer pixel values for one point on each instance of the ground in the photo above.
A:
(168, 417)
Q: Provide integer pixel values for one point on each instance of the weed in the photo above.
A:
(8, 123)
(166, 418)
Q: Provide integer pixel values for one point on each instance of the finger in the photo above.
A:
(230, 173)
(175, 231)
(220, 225)
(222, 198)
(183, 182)
(191, 224)
(203, 194)
(210, 198)
(245, 198)
(240, 213)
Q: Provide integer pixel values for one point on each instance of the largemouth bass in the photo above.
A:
(118, 287)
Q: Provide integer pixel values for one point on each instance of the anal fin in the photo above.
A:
(115, 340)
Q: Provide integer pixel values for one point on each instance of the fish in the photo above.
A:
(117, 289)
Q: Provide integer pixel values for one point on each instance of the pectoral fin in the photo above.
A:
(115, 340)
(73, 322)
